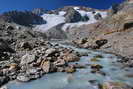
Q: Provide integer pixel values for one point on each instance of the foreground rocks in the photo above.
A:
(115, 85)
(31, 61)
(26, 55)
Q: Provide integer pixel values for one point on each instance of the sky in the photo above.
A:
(6, 5)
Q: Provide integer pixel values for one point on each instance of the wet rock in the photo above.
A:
(83, 54)
(60, 69)
(35, 76)
(70, 69)
(71, 57)
(98, 56)
(79, 66)
(94, 59)
(102, 73)
(129, 75)
(23, 78)
(47, 66)
(115, 85)
(96, 66)
(27, 58)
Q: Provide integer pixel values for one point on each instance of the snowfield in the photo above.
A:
(53, 20)
(84, 13)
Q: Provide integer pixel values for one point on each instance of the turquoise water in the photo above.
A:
(79, 79)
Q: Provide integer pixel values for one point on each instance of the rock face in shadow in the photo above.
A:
(72, 16)
(4, 47)
(25, 18)
(117, 29)
(56, 33)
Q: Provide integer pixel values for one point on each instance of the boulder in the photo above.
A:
(59, 62)
(10, 27)
(26, 45)
(23, 78)
(85, 18)
(50, 51)
(27, 58)
(47, 66)
(128, 25)
(101, 42)
(73, 16)
(98, 16)
(96, 66)
(71, 57)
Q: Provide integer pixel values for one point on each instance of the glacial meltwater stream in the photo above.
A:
(80, 79)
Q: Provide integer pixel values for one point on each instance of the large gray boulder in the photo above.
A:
(28, 58)
(73, 16)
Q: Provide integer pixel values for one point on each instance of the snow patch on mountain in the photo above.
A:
(52, 20)
(62, 13)
(84, 13)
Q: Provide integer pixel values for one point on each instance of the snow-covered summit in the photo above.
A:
(56, 19)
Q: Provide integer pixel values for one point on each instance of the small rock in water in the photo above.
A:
(129, 75)
(96, 66)
(70, 69)
(95, 59)
(98, 56)
(71, 57)
(23, 78)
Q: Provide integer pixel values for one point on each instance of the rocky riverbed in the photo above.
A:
(27, 56)
(74, 62)
(94, 70)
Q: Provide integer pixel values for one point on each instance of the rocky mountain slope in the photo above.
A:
(117, 29)
(26, 18)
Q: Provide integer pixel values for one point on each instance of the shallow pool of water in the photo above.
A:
(79, 80)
